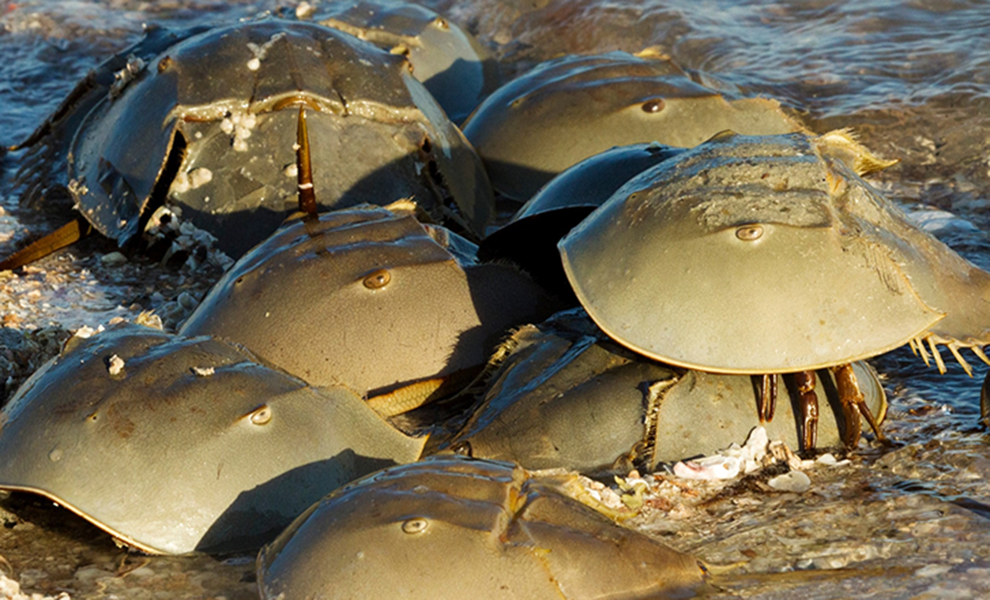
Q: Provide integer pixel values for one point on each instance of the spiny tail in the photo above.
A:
(918, 347)
(307, 195)
(40, 248)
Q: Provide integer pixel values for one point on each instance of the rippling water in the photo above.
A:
(913, 77)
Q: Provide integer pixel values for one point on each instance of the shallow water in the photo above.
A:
(913, 78)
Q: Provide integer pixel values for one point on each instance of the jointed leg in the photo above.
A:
(854, 406)
(768, 398)
(809, 408)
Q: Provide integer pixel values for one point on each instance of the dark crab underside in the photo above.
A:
(215, 114)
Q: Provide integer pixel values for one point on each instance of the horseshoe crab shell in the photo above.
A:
(570, 108)
(368, 299)
(530, 238)
(446, 59)
(567, 396)
(452, 527)
(768, 254)
(175, 445)
(215, 116)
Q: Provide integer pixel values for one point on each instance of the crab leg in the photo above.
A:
(806, 381)
(854, 407)
(768, 398)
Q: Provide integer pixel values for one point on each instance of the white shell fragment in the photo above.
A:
(86, 332)
(709, 467)
(113, 259)
(115, 365)
(793, 481)
(728, 463)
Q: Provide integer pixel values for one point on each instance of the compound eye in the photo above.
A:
(653, 106)
(261, 415)
(464, 448)
(750, 233)
(378, 279)
(415, 525)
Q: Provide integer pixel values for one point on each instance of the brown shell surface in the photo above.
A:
(766, 254)
(215, 117)
(367, 299)
(449, 61)
(530, 238)
(570, 108)
(175, 445)
(568, 397)
(451, 527)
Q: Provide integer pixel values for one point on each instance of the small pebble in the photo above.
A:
(113, 259)
(141, 573)
(304, 10)
(794, 481)
(150, 319)
(187, 301)
(827, 459)
(92, 573)
(86, 332)
(932, 570)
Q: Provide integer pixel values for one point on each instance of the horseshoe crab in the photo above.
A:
(500, 533)
(217, 115)
(446, 59)
(530, 238)
(768, 254)
(174, 445)
(567, 109)
(567, 396)
(369, 299)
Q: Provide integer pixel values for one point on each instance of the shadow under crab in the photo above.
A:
(566, 396)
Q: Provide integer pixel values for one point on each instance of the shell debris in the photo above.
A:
(86, 332)
(792, 481)
(238, 125)
(126, 75)
(184, 182)
(260, 52)
(115, 365)
(728, 463)
(304, 10)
